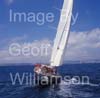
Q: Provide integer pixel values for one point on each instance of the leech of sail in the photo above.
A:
(61, 39)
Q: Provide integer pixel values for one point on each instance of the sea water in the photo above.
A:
(63, 90)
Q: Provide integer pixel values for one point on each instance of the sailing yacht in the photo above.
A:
(47, 74)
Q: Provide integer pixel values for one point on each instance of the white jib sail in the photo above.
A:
(61, 39)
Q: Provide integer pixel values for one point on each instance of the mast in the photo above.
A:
(61, 39)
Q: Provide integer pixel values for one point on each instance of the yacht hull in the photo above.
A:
(44, 80)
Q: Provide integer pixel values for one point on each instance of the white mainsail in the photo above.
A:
(62, 33)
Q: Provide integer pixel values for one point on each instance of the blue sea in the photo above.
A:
(63, 90)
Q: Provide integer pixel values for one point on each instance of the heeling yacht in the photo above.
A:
(47, 74)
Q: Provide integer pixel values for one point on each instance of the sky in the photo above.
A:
(84, 39)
